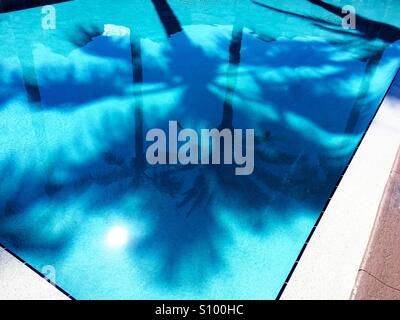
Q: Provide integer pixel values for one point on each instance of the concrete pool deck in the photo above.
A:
(332, 257)
(379, 275)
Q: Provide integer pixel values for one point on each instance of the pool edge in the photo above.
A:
(35, 285)
(321, 265)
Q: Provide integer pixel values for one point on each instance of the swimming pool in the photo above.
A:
(80, 203)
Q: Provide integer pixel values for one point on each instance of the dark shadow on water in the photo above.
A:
(167, 17)
(370, 28)
(395, 92)
(367, 29)
(17, 231)
(297, 15)
(16, 5)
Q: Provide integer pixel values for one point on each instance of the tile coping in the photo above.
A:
(20, 281)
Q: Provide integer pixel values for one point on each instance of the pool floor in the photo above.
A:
(81, 203)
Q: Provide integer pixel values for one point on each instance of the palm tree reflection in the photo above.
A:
(370, 30)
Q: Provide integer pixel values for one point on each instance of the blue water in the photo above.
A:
(79, 199)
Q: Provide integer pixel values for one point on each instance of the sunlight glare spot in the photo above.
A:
(117, 237)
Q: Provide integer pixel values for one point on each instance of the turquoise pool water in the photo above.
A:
(80, 203)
